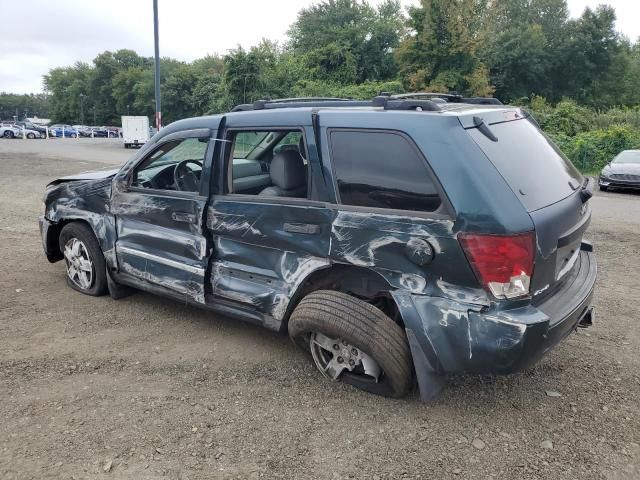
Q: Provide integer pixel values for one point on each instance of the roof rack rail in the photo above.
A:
(295, 102)
(452, 97)
(427, 101)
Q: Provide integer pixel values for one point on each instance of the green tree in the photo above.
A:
(442, 52)
(31, 104)
(587, 55)
(349, 41)
(523, 36)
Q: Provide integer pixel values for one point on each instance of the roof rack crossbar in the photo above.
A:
(427, 95)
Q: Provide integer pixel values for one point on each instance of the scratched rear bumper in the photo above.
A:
(447, 336)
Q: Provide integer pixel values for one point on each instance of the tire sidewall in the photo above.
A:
(301, 329)
(86, 236)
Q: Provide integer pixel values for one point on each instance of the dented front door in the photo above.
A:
(160, 237)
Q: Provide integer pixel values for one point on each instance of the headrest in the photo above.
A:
(287, 170)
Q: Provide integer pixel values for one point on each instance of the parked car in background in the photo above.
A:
(95, 132)
(396, 239)
(622, 172)
(114, 132)
(32, 126)
(63, 131)
(9, 131)
(31, 134)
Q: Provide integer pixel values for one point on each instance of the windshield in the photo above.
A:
(246, 142)
(628, 156)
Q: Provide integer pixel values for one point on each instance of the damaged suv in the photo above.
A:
(396, 240)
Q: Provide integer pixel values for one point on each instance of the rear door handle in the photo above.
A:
(305, 228)
(183, 217)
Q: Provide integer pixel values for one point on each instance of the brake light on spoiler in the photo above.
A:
(503, 264)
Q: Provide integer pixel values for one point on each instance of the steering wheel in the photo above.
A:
(185, 178)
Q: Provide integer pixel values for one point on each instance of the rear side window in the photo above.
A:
(535, 169)
(383, 170)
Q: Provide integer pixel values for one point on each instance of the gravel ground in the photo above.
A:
(148, 388)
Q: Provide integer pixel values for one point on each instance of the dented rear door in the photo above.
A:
(264, 247)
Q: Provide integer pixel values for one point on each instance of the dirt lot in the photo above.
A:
(147, 388)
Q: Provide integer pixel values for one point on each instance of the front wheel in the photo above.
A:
(353, 341)
(8, 134)
(86, 269)
(31, 136)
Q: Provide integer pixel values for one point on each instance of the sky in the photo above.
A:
(55, 33)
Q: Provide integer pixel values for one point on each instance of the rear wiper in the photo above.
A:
(483, 128)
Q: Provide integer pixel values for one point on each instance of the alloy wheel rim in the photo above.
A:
(332, 356)
(79, 264)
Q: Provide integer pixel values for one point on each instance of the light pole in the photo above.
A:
(157, 64)
(82, 95)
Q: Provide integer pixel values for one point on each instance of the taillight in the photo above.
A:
(502, 263)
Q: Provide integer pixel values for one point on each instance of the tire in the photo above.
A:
(31, 136)
(73, 135)
(126, 145)
(97, 286)
(8, 134)
(363, 326)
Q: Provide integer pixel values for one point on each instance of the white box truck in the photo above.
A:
(135, 131)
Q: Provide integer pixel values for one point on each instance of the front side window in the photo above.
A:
(176, 165)
(382, 170)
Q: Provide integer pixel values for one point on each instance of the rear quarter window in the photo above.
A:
(533, 166)
(382, 170)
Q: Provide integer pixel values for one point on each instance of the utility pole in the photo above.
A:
(157, 65)
(81, 108)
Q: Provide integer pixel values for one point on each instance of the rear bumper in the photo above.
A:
(447, 336)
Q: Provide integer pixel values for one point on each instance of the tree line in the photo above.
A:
(516, 50)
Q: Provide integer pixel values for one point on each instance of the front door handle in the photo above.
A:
(305, 228)
(183, 217)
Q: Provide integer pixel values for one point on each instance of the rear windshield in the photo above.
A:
(535, 169)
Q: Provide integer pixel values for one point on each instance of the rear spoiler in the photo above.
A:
(586, 192)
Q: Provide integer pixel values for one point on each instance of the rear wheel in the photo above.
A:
(86, 269)
(31, 135)
(352, 341)
(8, 134)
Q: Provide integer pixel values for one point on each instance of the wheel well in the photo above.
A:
(53, 236)
(359, 282)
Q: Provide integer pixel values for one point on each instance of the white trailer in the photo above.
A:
(135, 131)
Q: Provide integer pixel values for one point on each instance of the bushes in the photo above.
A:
(590, 151)
(363, 91)
(588, 137)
